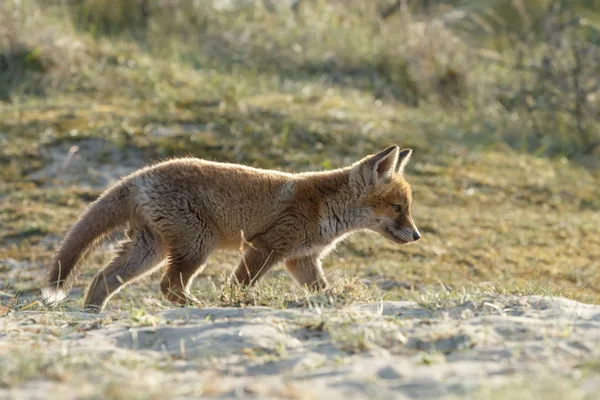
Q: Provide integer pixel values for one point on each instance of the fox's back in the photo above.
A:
(231, 197)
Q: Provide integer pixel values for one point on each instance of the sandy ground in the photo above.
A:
(383, 350)
(497, 347)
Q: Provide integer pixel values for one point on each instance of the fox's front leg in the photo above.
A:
(255, 263)
(266, 250)
(308, 271)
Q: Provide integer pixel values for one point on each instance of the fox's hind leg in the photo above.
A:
(186, 261)
(136, 257)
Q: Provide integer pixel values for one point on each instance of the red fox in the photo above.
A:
(184, 209)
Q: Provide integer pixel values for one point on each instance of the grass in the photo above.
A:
(507, 194)
(252, 93)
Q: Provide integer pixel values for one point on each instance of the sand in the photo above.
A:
(494, 347)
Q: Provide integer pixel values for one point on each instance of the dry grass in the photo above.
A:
(503, 208)
(263, 89)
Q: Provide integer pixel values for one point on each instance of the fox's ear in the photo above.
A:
(403, 158)
(384, 163)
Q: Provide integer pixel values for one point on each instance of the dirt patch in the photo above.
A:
(387, 350)
(91, 163)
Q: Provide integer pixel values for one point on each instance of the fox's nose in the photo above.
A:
(416, 236)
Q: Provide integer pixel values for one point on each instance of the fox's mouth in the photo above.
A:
(392, 234)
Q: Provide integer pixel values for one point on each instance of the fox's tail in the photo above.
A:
(109, 212)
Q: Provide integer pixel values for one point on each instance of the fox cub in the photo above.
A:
(184, 209)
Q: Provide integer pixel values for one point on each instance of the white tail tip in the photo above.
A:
(53, 295)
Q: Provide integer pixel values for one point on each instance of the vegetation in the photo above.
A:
(498, 99)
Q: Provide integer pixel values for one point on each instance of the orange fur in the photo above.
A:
(184, 209)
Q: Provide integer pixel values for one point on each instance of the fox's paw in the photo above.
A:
(178, 296)
(91, 309)
(52, 295)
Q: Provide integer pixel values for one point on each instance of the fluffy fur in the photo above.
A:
(182, 210)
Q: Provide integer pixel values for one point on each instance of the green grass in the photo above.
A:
(500, 203)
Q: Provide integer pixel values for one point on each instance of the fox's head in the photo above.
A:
(386, 198)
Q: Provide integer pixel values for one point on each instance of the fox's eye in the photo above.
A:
(397, 207)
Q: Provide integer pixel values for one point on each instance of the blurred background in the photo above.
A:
(499, 99)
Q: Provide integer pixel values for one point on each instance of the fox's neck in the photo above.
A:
(340, 211)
